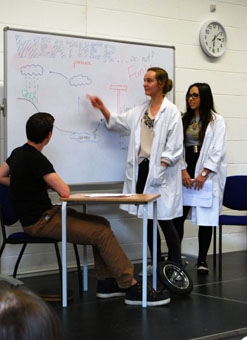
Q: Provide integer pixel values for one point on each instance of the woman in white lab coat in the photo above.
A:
(204, 160)
(154, 155)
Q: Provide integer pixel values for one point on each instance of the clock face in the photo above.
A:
(213, 39)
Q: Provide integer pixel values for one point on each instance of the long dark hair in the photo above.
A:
(206, 109)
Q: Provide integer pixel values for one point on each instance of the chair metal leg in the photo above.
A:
(220, 251)
(85, 268)
(19, 259)
(246, 239)
(2, 248)
(78, 267)
(59, 262)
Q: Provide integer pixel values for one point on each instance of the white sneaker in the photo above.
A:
(202, 268)
(149, 271)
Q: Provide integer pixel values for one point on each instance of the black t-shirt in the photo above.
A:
(28, 189)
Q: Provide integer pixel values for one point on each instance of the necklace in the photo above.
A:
(195, 127)
(149, 122)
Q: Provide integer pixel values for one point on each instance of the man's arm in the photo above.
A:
(52, 179)
(4, 174)
(57, 184)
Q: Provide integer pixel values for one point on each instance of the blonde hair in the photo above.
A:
(162, 77)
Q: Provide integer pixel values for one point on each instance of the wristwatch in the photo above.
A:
(204, 174)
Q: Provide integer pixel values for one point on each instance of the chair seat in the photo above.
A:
(22, 237)
(232, 220)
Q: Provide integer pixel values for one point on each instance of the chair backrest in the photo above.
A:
(235, 192)
(8, 213)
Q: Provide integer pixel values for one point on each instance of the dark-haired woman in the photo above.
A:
(205, 159)
(154, 155)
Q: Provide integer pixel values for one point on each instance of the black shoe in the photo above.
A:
(154, 298)
(202, 268)
(108, 288)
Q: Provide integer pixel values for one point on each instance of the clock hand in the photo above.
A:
(216, 36)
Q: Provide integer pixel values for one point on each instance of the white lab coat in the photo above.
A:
(168, 143)
(212, 157)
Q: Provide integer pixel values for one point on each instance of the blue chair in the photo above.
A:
(8, 217)
(235, 198)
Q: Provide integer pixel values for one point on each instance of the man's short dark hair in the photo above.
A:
(38, 126)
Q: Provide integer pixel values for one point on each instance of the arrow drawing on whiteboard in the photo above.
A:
(79, 80)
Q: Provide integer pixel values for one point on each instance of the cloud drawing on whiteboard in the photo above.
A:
(84, 137)
(32, 70)
(31, 73)
(79, 80)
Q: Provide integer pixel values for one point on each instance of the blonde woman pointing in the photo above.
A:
(154, 154)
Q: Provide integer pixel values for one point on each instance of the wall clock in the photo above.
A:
(213, 38)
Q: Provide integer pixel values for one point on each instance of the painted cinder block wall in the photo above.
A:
(175, 23)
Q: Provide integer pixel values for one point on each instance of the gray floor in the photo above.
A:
(216, 308)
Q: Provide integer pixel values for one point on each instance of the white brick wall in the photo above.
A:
(175, 23)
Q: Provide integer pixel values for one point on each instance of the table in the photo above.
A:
(137, 199)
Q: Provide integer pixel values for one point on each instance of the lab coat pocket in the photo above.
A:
(158, 176)
(129, 170)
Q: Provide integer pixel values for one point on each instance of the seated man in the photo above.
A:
(29, 174)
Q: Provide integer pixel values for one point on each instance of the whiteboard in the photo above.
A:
(53, 73)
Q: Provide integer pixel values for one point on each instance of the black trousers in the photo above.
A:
(204, 233)
(167, 227)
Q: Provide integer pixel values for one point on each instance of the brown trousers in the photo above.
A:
(109, 258)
